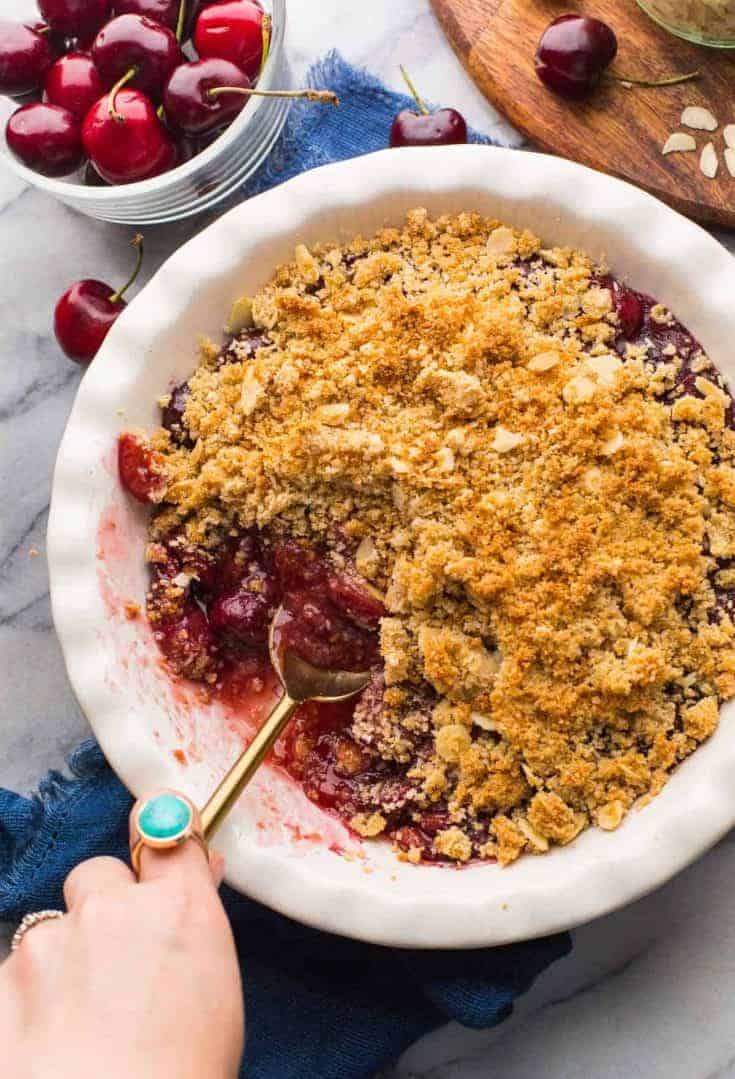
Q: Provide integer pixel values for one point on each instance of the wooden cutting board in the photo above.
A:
(618, 131)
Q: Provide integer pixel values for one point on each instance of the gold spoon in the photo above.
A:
(301, 682)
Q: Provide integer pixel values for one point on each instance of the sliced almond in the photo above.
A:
(543, 361)
(241, 315)
(728, 134)
(679, 142)
(612, 444)
(698, 118)
(730, 160)
(501, 241)
(708, 161)
(506, 440)
(605, 367)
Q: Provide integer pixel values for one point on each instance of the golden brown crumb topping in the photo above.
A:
(443, 404)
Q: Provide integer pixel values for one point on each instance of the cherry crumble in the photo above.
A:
(489, 472)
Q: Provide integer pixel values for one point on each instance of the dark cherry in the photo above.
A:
(139, 468)
(125, 140)
(350, 595)
(165, 12)
(627, 304)
(232, 30)
(187, 642)
(92, 178)
(25, 56)
(74, 83)
(445, 127)
(190, 107)
(80, 19)
(442, 128)
(136, 47)
(172, 414)
(46, 138)
(572, 54)
(87, 310)
(242, 616)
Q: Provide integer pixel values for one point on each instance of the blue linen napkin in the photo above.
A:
(318, 1006)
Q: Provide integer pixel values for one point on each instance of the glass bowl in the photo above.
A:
(198, 184)
(705, 22)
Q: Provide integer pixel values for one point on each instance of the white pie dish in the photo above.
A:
(96, 539)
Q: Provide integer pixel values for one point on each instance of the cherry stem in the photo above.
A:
(673, 80)
(265, 30)
(42, 29)
(111, 110)
(326, 96)
(137, 243)
(180, 20)
(414, 92)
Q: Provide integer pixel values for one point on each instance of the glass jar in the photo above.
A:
(705, 22)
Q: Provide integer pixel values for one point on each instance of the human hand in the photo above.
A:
(138, 981)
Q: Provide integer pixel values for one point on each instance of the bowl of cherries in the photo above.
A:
(142, 111)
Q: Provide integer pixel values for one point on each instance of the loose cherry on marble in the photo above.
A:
(573, 53)
(125, 140)
(46, 138)
(205, 94)
(25, 56)
(134, 48)
(445, 127)
(74, 83)
(79, 19)
(86, 311)
(234, 30)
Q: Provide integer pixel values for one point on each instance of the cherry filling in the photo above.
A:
(210, 608)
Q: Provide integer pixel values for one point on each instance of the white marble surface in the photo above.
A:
(646, 991)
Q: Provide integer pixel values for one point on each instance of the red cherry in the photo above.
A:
(46, 138)
(79, 19)
(572, 54)
(125, 140)
(25, 56)
(232, 30)
(242, 615)
(74, 83)
(350, 595)
(187, 642)
(445, 127)
(140, 469)
(165, 12)
(134, 45)
(442, 128)
(87, 310)
(186, 100)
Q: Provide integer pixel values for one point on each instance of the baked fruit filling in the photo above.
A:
(492, 474)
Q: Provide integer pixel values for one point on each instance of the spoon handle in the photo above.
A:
(245, 767)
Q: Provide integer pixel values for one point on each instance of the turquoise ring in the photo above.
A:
(162, 821)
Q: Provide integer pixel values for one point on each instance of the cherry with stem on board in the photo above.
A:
(445, 127)
(574, 53)
(86, 311)
(205, 94)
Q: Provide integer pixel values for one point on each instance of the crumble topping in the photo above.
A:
(547, 512)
